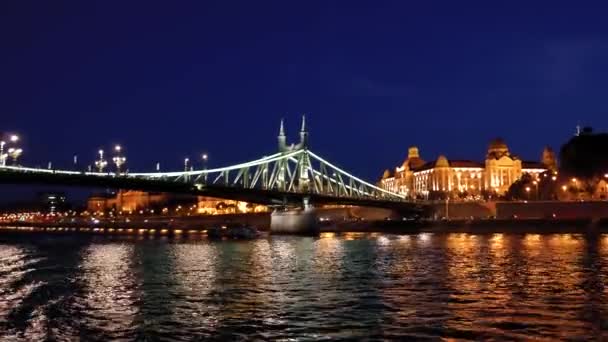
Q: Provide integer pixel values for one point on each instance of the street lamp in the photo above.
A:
(14, 153)
(14, 138)
(100, 163)
(205, 157)
(2, 155)
(536, 188)
(119, 160)
(528, 192)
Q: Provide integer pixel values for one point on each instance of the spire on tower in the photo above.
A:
(282, 138)
(303, 134)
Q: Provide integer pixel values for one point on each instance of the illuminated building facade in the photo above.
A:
(163, 203)
(416, 178)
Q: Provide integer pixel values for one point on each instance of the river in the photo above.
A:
(346, 286)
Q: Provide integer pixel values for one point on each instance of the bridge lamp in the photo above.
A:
(100, 164)
(119, 161)
(2, 155)
(15, 153)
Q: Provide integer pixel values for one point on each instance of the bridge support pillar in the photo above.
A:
(295, 221)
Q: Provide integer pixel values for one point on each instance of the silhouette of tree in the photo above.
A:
(586, 155)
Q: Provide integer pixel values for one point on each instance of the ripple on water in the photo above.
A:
(356, 286)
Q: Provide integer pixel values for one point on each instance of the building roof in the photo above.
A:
(465, 163)
(452, 163)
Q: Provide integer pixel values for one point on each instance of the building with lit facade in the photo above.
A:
(417, 178)
(131, 202)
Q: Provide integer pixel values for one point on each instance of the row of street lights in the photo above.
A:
(119, 160)
(13, 152)
(188, 167)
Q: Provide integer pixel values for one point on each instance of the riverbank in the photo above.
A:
(478, 226)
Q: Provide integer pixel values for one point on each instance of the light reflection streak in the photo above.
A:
(110, 293)
(195, 274)
(14, 266)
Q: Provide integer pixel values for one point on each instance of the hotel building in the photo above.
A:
(417, 178)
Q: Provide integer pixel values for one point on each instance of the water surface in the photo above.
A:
(426, 286)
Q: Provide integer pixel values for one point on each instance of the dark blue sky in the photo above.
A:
(174, 79)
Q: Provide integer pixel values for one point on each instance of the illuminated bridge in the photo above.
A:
(293, 177)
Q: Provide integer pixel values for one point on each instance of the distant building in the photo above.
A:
(131, 201)
(416, 178)
(165, 203)
(218, 206)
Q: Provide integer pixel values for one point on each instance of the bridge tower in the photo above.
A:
(301, 220)
(304, 164)
(282, 138)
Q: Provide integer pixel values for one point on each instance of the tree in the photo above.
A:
(585, 155)
(517, 190)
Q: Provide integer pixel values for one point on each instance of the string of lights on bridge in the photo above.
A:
(293, 169)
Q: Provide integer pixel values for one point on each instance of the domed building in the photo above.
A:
(416, 178)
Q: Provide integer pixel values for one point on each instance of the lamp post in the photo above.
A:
(536, 188)
(14, 153)
(118, 160)
(528, 192)
(2, 155)
(11, 152)
(205, 157)
(100, 163)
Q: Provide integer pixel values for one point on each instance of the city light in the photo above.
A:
(13, 152)
(119, 160)
(101, 163)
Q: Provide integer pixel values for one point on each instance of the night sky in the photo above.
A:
(174, 79)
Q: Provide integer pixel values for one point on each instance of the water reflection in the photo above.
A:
(357, 286)
(110, 294)
(195, 275)
(39, 286)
